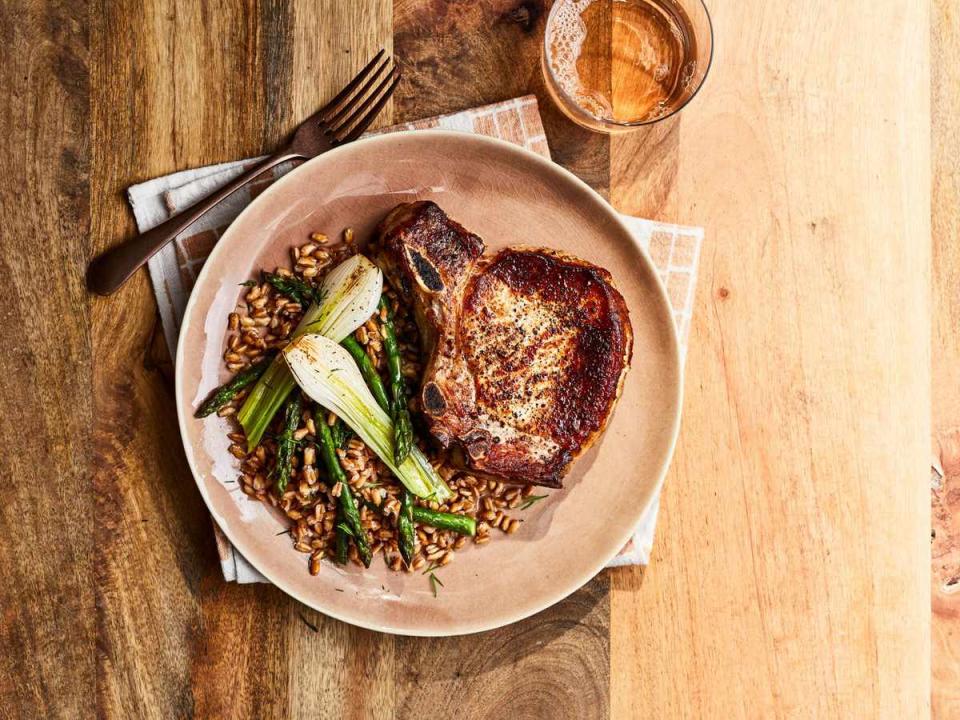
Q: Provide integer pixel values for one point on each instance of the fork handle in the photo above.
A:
(109, 271)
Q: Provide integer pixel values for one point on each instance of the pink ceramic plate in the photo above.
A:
(507, 196)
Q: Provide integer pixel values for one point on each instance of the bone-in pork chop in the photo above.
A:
(527, 348)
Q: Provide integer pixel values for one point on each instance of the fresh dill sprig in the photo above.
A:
(533, 499)
(434, 582)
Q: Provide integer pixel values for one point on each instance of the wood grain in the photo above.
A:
(945, 575)
(791, 568)
(152, 534)
(237, 83)
(47, 623)
(789, 578)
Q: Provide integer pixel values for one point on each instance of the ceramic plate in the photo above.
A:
(506, 195)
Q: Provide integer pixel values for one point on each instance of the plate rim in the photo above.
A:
(468, 628)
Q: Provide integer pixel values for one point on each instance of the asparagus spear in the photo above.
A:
(368, 371)
(294, 288)
(342, 540)
(347, 505)
(405, 531)
(402, 429)
(285, 442)
(226, 392)
(341, 433)
(462, 524)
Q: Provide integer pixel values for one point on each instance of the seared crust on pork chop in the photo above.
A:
(527, 348)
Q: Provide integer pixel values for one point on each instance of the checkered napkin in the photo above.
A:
(675, 251)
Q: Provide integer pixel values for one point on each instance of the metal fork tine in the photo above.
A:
(350, 87)
(365, 121)
(360, 110)
(361, 93)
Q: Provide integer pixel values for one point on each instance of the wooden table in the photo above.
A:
(791, 574)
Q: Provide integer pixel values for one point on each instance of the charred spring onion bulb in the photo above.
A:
(346, 299)
(328, 375)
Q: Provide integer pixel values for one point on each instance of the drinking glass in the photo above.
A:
(613, 65)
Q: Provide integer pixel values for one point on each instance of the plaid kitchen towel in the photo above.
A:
(674, 249)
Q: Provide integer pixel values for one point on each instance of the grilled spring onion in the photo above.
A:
(347, 298)
(329, 376)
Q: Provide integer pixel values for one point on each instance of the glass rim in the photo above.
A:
(630, 123)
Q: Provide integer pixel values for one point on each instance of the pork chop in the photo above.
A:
(526, 348)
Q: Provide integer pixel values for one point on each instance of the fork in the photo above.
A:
(340, 121)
